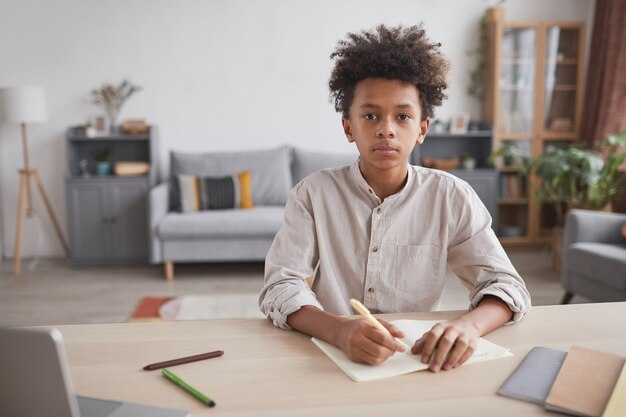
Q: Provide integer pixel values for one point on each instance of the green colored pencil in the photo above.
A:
(178, 381)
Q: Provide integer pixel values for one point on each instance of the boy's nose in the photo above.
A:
(386, 129)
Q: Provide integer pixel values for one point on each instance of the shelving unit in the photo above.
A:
(108, 214)
(533, 98)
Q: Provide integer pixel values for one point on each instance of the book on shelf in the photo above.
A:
(512, 186)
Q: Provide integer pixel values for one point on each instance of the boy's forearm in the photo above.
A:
(490, 314)
(317, 323)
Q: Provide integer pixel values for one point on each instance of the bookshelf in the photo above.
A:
(533, 99)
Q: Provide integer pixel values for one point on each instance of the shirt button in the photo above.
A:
(370, 290)
(272, 309)
(379, 210)
(371, 191)
(375, 249)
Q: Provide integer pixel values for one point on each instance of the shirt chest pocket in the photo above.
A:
(417, 267)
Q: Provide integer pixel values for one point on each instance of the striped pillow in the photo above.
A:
(215, 193)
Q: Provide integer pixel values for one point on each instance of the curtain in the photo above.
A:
(604, 106)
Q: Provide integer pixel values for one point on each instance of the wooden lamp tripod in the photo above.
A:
(23, 105)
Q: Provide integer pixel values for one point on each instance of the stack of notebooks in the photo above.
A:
(581, 382)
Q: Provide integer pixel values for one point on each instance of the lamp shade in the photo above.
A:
(23, 104)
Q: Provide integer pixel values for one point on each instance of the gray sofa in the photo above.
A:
(229, 235)
(594, 256)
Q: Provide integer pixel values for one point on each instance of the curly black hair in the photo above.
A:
(394, 53)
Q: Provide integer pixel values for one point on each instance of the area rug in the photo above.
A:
(197, 307)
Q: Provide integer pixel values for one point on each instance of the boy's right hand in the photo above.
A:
(363, 343)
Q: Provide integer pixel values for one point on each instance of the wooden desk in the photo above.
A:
(266, 371)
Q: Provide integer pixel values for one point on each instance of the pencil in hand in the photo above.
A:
(363, 311)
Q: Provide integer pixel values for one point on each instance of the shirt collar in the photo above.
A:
(365, 187)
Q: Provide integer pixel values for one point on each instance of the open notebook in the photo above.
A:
(403, 363)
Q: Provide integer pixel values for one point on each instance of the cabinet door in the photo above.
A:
(517, 81)
(562, 74)
(88, 221)
(129, 216)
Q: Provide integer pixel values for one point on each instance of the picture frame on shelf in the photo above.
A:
(460, 123)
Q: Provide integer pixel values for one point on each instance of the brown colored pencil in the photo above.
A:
(180, 361)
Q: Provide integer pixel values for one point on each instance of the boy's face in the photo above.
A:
(385, 123)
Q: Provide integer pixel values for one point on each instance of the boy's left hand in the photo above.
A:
(447, 345)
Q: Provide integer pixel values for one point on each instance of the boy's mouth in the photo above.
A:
(385, 150)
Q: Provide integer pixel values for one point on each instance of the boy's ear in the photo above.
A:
(347, 129)
(423, 129)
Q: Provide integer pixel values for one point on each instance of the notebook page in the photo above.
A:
(402, 363)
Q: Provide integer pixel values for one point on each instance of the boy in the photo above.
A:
(381, 230)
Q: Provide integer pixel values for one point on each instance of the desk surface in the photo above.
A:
(266, 371)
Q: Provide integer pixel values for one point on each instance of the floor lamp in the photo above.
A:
(27, 105)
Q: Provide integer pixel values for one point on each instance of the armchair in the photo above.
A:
(594, 256)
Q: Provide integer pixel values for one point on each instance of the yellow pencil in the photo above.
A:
(363, 311)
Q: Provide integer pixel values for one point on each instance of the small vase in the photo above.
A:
(112, 120)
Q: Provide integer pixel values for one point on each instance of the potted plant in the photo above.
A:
(571, 177)
(607, 188)
(511, 158)
(468, 161)
(566, 177)
(111, 98)
(103, 164)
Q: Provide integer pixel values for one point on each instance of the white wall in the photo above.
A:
(217, 74)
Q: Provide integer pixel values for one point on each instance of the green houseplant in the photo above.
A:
(512, 158)
(566, 176)
(476, 76)
(607, 188)
(571, 177)
(103, 164)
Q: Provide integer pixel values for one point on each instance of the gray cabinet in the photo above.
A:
(108, 214)
(108, 221)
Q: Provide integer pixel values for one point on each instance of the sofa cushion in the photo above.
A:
(255, 222)
(307, 162)
(605, 263)
(270, 170)
(214, 193)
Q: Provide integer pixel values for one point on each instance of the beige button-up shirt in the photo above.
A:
(391, 255)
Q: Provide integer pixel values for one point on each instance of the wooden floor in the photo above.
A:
(49, 292)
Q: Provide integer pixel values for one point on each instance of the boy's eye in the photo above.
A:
(370, 116)
(404, 117)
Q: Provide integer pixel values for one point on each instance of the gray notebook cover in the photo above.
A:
(534, 376)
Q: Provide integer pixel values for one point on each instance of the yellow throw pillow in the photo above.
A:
(245, 190)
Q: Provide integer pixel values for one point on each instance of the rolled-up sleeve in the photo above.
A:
(477, 258)
(290, 261)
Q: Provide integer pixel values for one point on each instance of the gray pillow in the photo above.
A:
(270, 170)
(307, 162)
